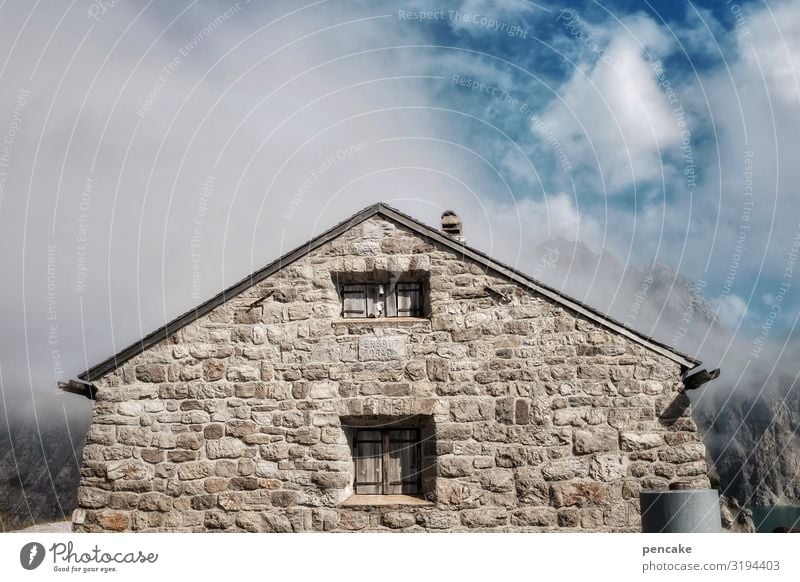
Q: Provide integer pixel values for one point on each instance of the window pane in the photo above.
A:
(402, 469)
(402, 435)
(391, 301)
(409, 299)
(369, 435)
(387, 461)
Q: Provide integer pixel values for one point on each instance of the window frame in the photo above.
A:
(386, 440)
(370, 297)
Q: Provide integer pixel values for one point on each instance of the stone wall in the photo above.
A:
(543, 420)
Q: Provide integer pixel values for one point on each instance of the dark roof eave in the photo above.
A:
(112, 363)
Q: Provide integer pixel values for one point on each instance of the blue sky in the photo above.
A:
(659, 131)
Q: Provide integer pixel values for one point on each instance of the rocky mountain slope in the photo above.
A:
(755, 443)
(39, 471)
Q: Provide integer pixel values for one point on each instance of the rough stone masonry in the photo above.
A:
(543, 420)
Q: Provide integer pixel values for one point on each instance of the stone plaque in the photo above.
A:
(381, 348)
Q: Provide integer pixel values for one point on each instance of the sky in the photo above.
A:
(153, 153)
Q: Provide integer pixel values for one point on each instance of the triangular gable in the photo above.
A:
(112, 363)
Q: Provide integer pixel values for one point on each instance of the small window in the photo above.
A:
(387, 461)
(382, 300)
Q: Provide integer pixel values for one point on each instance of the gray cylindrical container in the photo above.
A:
(680, 511)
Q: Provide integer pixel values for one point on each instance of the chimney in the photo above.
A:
(451, 225)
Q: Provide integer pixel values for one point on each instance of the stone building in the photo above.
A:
(385, 376)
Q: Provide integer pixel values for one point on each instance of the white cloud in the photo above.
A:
(731, 309)
(513, 230)
(754, 102)
(611, 115)
(494, 17)
(769, 42)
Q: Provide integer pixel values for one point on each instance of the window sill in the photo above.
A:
(385, 500)
(381, 321)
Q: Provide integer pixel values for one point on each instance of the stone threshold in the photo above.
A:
(385, 500)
